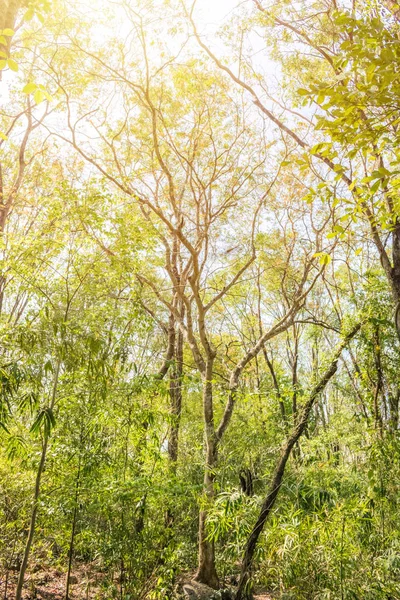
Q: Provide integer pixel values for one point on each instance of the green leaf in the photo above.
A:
(3, 426)
(39, 96)
(375, 187)
(12, 64)
(3, 136)
(16, 447)
(48, 367)
(8, 32)
(324, 258)
(30, 13)
(35, 427)
(45, 418)
(29, 88)
(28, 401)
(3, 64)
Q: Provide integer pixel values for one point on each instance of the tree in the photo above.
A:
(187, 245)
(198, 179)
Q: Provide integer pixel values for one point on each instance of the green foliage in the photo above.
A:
(141, 194)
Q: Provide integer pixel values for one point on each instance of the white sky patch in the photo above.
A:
(214, 12)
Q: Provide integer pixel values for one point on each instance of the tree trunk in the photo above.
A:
(8, 13)
(206, 572)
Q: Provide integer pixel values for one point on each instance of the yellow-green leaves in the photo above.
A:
(5, 61)
(4, 34)
(11, 64)
(337, 231)
(37, 8)
(39, 92)
(324, 258)
(8, 62)
(30, 13)
(29, 88)
(39, 96)
(44, 421)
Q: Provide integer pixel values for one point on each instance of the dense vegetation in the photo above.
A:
(199, 299)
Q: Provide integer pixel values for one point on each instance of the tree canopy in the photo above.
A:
(199, 299)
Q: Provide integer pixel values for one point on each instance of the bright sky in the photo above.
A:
(209, 14)
(214, 11)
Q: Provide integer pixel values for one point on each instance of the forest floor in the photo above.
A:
(49, 584)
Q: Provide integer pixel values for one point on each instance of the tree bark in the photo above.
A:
(8, 13)
(206, 572)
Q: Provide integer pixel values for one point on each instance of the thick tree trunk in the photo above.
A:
(206, 572)
(8, 13)
(242, 591)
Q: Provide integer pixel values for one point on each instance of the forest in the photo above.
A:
(199, 299)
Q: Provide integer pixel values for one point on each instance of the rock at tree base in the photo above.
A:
(193, 590)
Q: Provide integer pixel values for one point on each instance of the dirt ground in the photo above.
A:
(50, 585)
